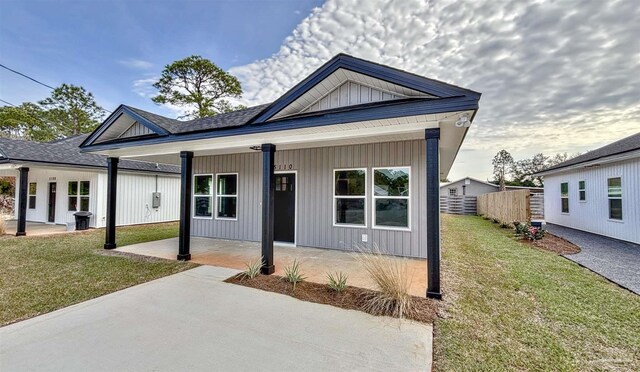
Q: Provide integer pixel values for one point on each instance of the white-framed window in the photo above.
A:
(391, 197)
(350, 197)
(614, 193)
(227, 196)
(564, 196)
(33, 188)
(453, 192)
(582, 191)
(202, 195)
(78, 195)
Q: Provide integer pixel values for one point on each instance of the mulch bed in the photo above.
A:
(352, 298)
(554, 244)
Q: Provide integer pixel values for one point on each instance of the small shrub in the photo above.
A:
(293, 274)
(252, 269)
(337, 281)
(495, 220)
(519, 227)
(391, 276)
(504, 225)
(534, 233)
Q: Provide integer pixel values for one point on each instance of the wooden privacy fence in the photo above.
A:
(458, 204)
(505, 206)
(536, 201)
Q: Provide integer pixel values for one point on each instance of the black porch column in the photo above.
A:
(22, 202)
(186, 179)
(432, 137)
(112, 186)
(268, 187)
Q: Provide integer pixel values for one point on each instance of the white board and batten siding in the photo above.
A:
(592, 215)
(134, 195)
(315, 188)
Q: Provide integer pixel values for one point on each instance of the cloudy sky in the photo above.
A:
(556, 76)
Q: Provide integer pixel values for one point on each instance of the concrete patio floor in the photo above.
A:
(36, 228)
(193, 321)
(315, 262)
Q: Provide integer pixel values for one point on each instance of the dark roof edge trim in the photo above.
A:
(561, 167)
(74, 165)
(122, 109)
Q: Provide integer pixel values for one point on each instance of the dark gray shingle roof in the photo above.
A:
(67, 152)
(627, 144)
(226, 120)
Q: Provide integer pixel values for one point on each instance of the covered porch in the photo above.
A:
(315, 262)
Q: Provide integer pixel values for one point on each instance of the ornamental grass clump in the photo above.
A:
(393, 281)
(293, 274)
(252, 269)
(337, 281)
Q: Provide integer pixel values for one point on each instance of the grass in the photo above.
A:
(509, 306)
(44, 273)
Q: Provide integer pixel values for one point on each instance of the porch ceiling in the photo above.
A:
(362, 132)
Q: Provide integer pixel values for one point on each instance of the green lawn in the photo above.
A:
(510, 306)
(42, 274)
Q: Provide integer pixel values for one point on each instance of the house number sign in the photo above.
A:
(283, 166)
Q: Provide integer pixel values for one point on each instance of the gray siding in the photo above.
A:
(315, 195)
(351, 93)
(136, 129)
(473, 189)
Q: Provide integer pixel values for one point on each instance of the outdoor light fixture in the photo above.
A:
(463, 121)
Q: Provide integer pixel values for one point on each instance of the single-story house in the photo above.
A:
(469, 186)
(54, 180)
(352, 155)
(598, 192)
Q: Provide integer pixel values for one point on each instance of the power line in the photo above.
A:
(34, 80)
(26, 76)
(8, 103)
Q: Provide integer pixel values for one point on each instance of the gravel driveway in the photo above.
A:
(614, 259)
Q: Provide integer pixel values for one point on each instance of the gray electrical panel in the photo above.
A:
(155, 202)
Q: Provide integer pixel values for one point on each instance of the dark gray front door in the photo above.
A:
(285, 208)
(52, 202)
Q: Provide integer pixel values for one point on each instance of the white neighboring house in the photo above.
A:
(598, 192)
(469, 186)
(63, 180)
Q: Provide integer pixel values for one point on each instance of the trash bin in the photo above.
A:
(82, 220)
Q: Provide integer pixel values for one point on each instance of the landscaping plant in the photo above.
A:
(293, 274)
(252, 269)
(526, 231)
(391, 276)
(337, 281)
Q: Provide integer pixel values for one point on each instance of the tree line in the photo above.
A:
(193, 83)
(510, 172)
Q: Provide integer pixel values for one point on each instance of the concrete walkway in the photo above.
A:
(315, 262)
(36, 228)
(614, 259)
(192, 321)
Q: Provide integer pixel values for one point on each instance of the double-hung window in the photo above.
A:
(564, 196)
(202, 195)
(227, 195)
(33, 188)
(391, 197)
(614, 193)
(78, 195)
(582, 192)
(350, 197)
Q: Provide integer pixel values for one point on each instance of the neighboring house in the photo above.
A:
(472, 187)
(352, 155)
(59, 180)
(598, 192)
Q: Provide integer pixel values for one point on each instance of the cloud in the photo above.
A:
(136, 64)
(555, 76)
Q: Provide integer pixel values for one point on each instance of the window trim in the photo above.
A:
(35, 196)
(78, 195)
(336, 197)
(583, 190)
(215, 194)
(565, 197)
(374, 198)
(609, 198)
(194, 195)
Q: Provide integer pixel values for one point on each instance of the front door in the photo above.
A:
(52, 202)
(285, 208)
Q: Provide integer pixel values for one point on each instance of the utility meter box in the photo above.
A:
(155, 200)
